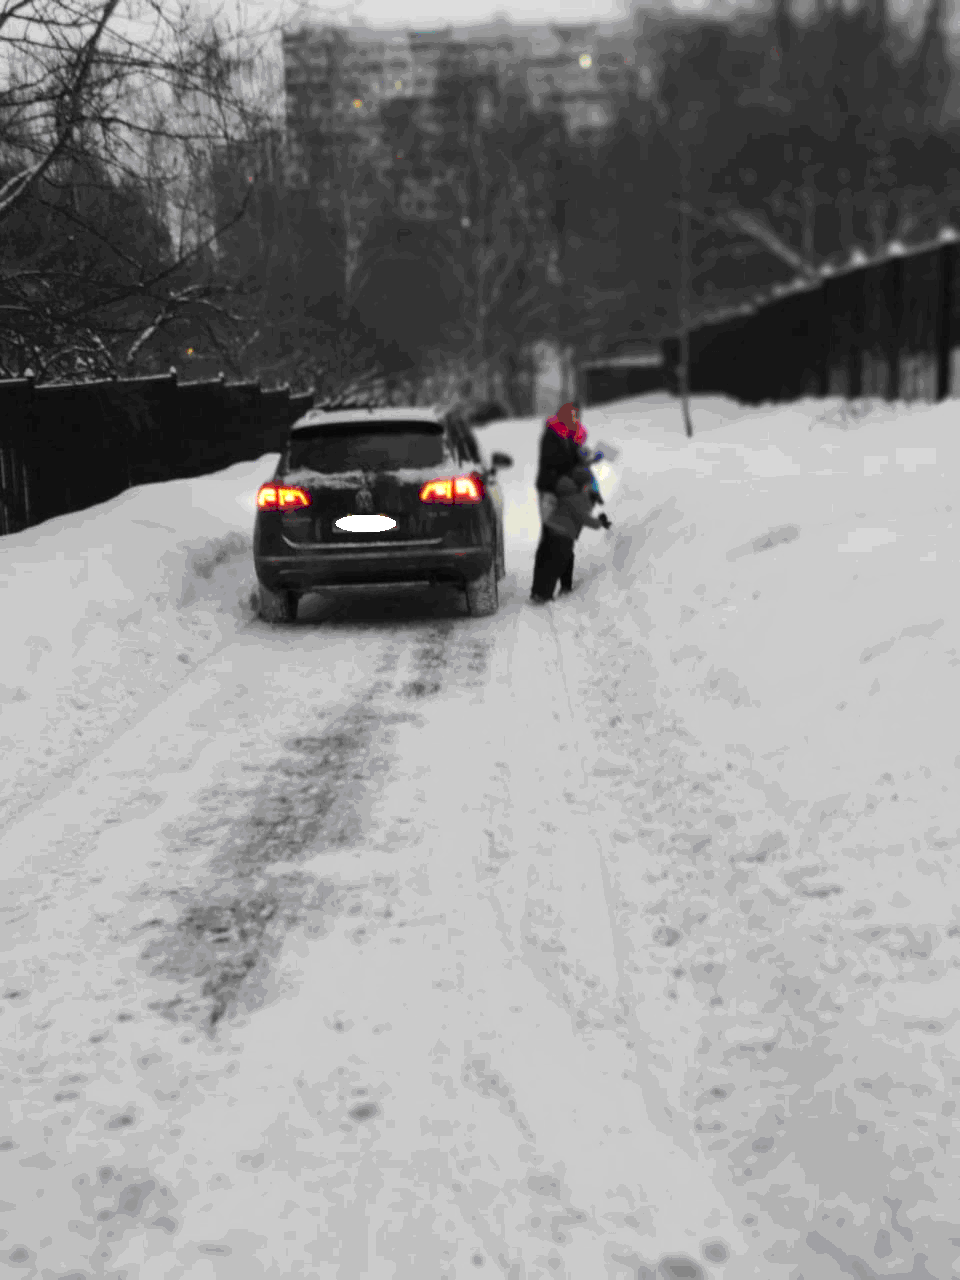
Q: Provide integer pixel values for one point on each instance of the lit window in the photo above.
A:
(398, 84)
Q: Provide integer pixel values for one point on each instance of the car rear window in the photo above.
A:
(380, 448)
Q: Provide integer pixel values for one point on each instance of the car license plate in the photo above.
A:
(364, 524)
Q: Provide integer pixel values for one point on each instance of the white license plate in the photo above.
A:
(364, 524)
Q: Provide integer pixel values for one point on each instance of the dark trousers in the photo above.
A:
(554, 560)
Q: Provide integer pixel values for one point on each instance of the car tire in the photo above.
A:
(483, 598)
(501, 564)
(277, 606)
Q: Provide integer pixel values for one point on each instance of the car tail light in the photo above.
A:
(454, 491)
(273, 497)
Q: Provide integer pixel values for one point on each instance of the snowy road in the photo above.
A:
(398, 879)
(616, 939)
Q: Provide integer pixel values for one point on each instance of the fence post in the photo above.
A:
(26, 494)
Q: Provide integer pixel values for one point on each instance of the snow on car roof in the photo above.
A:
(340, 417)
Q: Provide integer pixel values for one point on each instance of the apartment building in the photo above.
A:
(338, 80)
(315, 97)
(561, 67)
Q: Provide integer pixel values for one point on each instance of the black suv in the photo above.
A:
(379, 495)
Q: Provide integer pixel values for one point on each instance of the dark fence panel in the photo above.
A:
(16, 427)
(919, 339)
(67, 448)
(844, 327)
(759, 364)
(242, 429)
(948, 337)
(278, 412)
(806, 372)
(76, 453)
(714, 355)
(890, 329)
(881, 330)
(147, 406)
(603, 381)
(198, 444)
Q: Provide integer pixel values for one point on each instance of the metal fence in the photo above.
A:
(613, 377)
(64, 448)
(887, 327)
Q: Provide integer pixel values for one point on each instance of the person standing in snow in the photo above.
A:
(563, 437)
(561, 528)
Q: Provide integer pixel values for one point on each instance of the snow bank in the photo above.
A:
(791, 574)
(108, 607)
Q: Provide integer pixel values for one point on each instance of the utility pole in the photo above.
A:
(683, 371)
(562, 161)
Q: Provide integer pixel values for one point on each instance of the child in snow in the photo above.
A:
(561, 529)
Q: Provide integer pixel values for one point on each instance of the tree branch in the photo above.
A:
(166, 314)
(754, 225)
(15, 188)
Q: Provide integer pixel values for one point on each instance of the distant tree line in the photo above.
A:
(806, 140)
(124, 249)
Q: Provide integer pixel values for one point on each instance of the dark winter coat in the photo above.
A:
(573, 509)
(559, 453)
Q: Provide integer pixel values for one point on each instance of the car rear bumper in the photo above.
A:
(312, 570)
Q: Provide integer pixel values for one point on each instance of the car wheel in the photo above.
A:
(278, 606)
(501, 563)
(483, 599)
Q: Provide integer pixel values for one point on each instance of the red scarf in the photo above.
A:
(577, 433)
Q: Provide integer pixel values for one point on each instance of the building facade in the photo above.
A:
(338, 80)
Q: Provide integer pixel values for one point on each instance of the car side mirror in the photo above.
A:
(500, 461)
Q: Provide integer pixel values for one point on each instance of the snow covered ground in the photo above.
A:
(618, 938)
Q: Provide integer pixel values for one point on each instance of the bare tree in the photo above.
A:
(109, 122)
(358, 199)
(499, 250)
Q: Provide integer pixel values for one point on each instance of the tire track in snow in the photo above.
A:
(313, 799)
(599, 946)
(470, 1028)
(94, 869)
